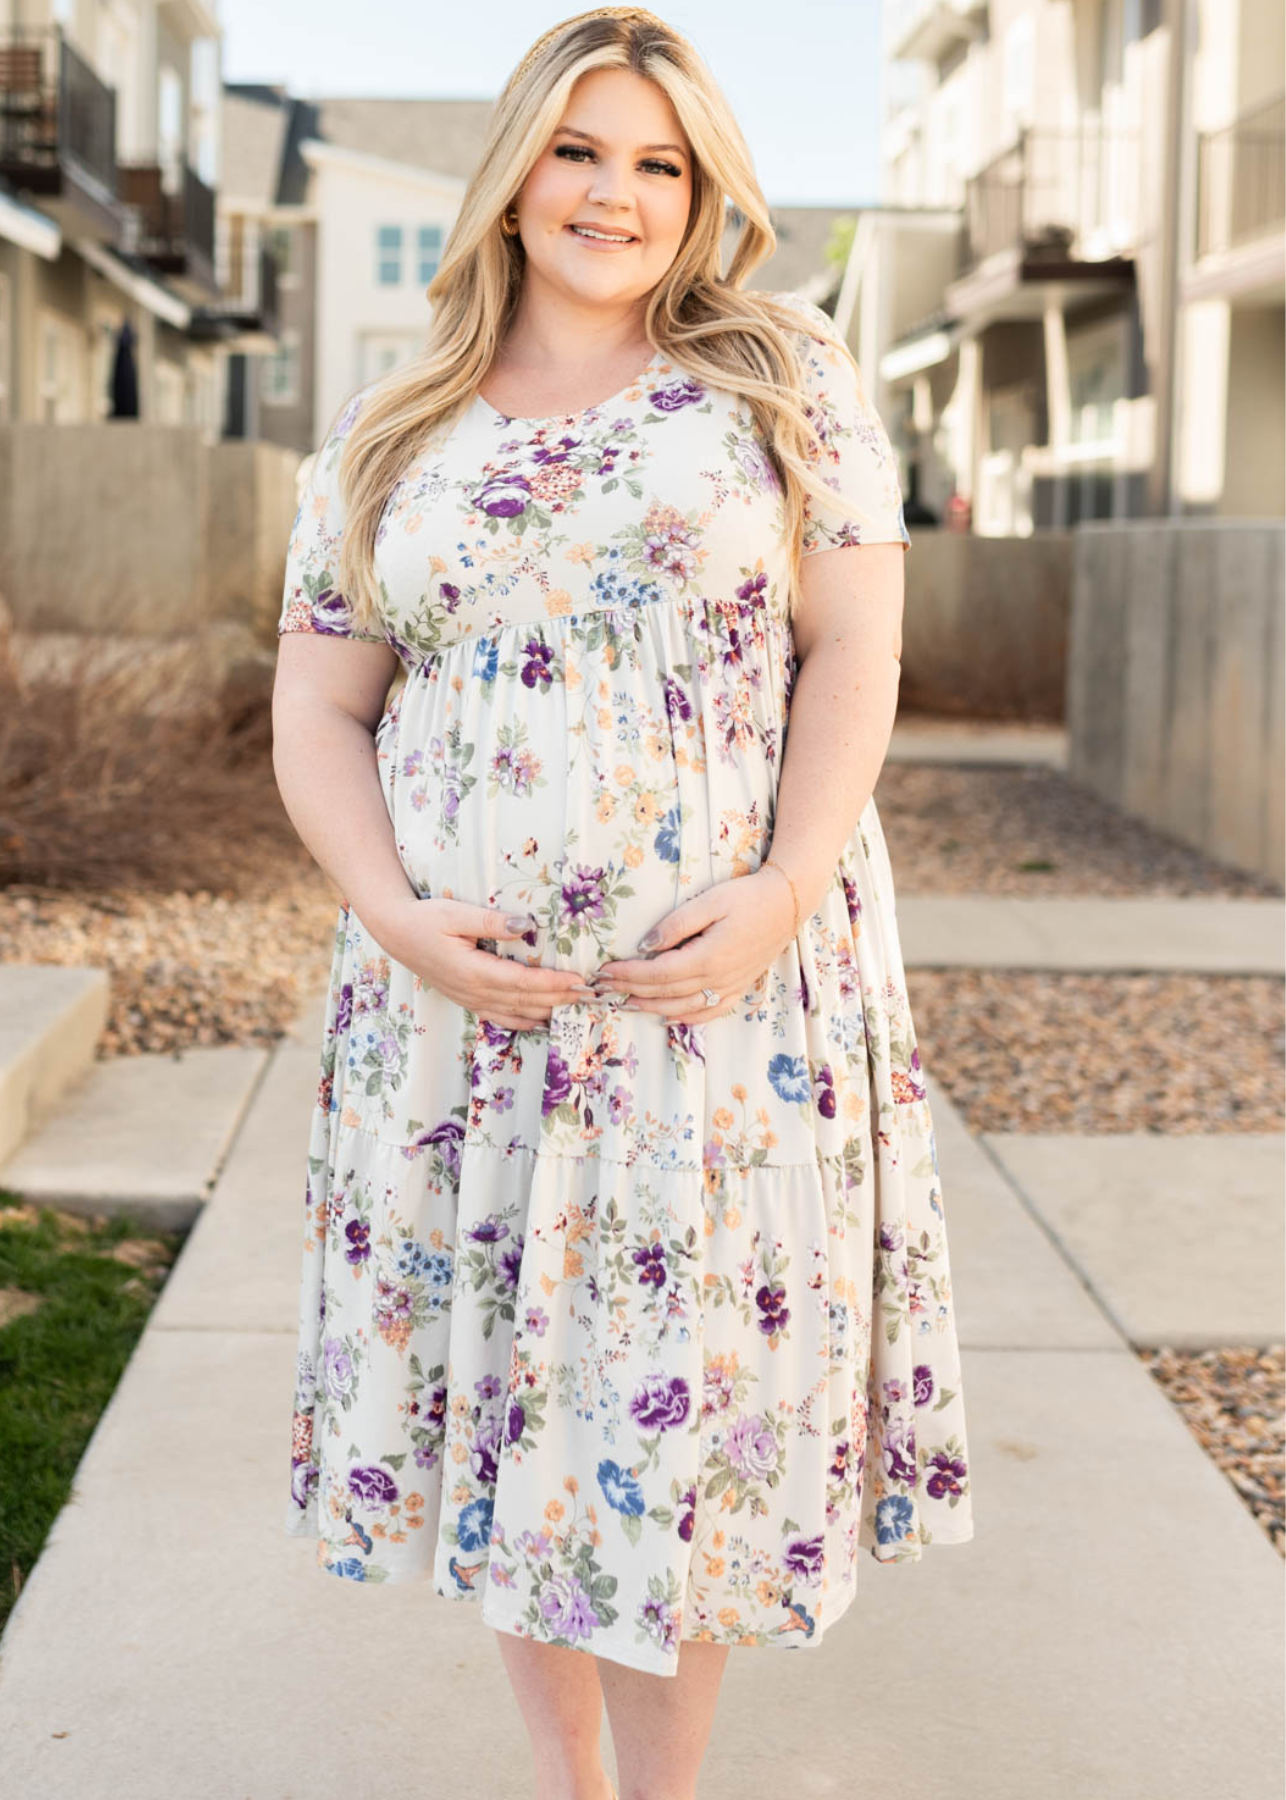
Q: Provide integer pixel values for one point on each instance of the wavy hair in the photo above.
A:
(697, 317)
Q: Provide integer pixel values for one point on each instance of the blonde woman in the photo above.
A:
(625, 1309)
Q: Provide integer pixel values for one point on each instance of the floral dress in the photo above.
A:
(630, 1330)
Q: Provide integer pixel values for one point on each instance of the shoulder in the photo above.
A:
(813, 323)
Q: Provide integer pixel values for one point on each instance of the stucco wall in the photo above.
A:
(1175, 681)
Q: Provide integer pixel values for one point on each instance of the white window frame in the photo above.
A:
(279, 379)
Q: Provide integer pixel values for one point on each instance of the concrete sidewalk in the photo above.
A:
(1113, 1629)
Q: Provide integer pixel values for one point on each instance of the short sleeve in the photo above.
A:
(857, 458)
(311, 600)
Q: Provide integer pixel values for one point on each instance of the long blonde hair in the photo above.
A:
(697, 317)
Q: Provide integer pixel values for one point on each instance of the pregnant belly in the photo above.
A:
(596, 807)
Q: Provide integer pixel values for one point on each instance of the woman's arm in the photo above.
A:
(848, 639)
(327, 699)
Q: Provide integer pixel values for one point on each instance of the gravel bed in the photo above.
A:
(1020, 1050)
(186, 969)
(1232, 1401)
(1030, 831)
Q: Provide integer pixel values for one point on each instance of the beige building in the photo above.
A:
(112, 299)
(1070, 303)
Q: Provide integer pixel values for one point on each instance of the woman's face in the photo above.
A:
(619, 162)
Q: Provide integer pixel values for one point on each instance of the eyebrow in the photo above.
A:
(571, 131)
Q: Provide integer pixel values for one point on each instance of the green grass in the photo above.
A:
(60, 1363)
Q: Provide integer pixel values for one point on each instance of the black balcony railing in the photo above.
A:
(54, 110)
(1241, 179)
(1058, 194)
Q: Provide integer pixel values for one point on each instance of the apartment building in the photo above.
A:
(1070, 303)
(110, 298)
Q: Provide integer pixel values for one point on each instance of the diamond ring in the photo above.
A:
(711, 998)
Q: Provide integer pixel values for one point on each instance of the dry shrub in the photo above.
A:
(99, 790)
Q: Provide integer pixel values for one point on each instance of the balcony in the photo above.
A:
(1060, 196)
(1241, 181)
(1055, 218)
(172, 231)
(248, 330)
(929, 30)
(58, 130)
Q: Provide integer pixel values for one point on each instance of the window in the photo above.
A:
(388, 257)
(430, 252)
(279, 379)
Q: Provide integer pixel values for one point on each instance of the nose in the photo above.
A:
(608, 188)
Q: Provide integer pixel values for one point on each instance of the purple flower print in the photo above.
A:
(661, 1403)
(675, 395)
(558, 1082)
(677, 703)
(751, 1448)
(489, 1230)
(772, 1307)
(948, 1472)
(754, 589)
(755, 464)
(371, 1485)
(483, 1461)
(839, 1460)
(660, 1621)
(688, 1500)
(446, 1139)
(505, 497)
(340, 1374)
(515, 1420)
(565, 1608)
(535, 668)
(349, 413)
(510, 1261)
(824, 1091)
(899, 1450)
(923, 1383)
(803, 1556)
(582, 892)
(344, 1010)
(651, 1265)
(537, 1321)
(358, 1233)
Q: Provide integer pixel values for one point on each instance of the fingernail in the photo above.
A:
(518, 922)
(652, 938)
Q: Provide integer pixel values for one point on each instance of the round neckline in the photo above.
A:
(570, 418)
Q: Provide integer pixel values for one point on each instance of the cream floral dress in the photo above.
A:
(632, 1331)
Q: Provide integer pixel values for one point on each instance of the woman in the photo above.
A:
(625, 1306)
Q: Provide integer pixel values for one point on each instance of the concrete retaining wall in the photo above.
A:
(985, 626)
(142, 529)
(1175, 681)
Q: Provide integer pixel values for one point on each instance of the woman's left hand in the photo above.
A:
(733, 931)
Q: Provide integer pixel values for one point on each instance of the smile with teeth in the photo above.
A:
(606, 237)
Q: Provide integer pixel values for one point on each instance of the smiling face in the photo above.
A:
(618, 164)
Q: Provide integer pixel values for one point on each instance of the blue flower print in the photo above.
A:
(621, 1490)
(789, 1077)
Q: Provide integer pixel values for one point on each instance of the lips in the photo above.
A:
(578, 227)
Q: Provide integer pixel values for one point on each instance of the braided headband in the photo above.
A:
(638, 14)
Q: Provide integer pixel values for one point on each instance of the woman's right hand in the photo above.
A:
(437, 939)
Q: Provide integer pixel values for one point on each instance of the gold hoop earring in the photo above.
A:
(509, 223)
